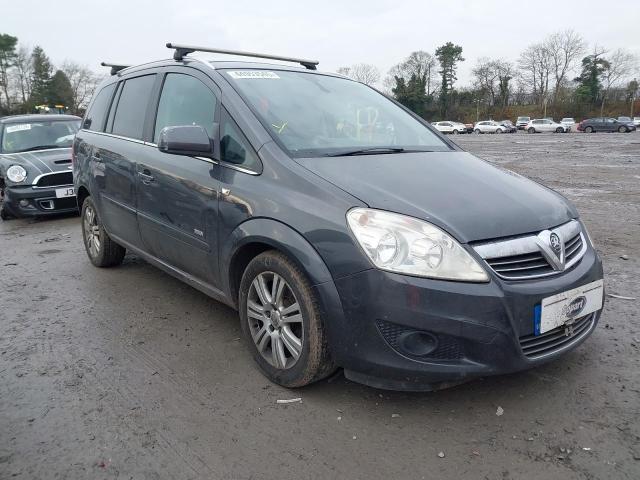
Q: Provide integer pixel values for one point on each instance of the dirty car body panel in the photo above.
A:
(199, 219)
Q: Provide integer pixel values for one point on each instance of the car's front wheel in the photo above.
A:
(588, 130)
(622, 129)
(456, 132)
(101, 250)
(282, 323)
(559, 130)
(498, 130)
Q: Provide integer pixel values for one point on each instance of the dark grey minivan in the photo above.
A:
(345, 230)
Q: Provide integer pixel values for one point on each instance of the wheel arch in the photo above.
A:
(256, 236)
(81, 194)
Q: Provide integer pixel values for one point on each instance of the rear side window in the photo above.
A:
(132, 107)
(234, 147)
(97, 114)
(185, 100)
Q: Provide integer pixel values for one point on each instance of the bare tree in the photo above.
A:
(420, 64)
(361, 72)
(492, 78)
(564, 49)
(621, 65)
(83, 83)
(536, 66)
(22, 74)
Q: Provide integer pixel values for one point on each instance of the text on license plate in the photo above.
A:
(65, 192)
(565, 307)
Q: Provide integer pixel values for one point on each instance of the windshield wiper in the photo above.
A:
(40, 147)
(367, 151)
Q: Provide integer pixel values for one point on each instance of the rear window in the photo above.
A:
(132, 107)
(97, 114)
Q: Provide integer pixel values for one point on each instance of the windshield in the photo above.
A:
(38, 135)
(314, 115)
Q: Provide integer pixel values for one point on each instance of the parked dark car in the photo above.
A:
(344, 229)
(508, 124)
(35, 165)
(592, 125)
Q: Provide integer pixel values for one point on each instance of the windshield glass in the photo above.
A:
(38, 135)
(316, 115)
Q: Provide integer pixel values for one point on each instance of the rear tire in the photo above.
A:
(531, 130)
(101, 250)
(282, 323)
(588, 130)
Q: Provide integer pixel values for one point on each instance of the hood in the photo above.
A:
(39, 161)
(466, 196)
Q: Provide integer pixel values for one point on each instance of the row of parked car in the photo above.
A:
(539, 125)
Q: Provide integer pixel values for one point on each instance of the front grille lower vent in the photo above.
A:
(536, 346)
(448, 348)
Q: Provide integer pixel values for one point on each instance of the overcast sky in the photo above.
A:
(334, 32)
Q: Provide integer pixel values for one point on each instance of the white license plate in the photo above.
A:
(65, 192)
(565, 307)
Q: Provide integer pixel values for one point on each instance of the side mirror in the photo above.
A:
(189, 140)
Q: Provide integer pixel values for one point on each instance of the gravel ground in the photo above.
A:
(127, 373)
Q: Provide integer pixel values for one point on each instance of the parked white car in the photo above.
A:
(636, 121)
(489, 126)
(450, 127)
(568, 122)
(545, 125)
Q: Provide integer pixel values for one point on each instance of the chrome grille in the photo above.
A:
(537, 346)
(55, 179)
(521, 258)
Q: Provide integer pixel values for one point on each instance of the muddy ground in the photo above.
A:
(127, 373)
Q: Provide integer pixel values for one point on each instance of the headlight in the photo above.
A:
(16, 173)
(402, 244)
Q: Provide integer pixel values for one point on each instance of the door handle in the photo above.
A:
(146, 176)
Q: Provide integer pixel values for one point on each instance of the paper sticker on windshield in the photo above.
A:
(252, 74)
(19, 127)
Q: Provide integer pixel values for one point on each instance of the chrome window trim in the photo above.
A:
(113, 135)
(34, 184)
(529, 244)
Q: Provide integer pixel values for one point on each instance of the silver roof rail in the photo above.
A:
(182, 50)
(115, 68)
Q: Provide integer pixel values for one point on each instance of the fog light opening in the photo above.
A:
(24, 202)
(418, 344)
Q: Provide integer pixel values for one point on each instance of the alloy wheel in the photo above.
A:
(92, 231)
(275, 320)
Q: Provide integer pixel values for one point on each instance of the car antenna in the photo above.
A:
(182, 51)
(115, 68)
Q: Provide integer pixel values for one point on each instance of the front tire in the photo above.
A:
(588, 130)
(559, 130)
(101, 250)
(281, 321)
(499, 130)
(623, 129)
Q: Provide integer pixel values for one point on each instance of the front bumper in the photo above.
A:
(476, 328)
(39, 201)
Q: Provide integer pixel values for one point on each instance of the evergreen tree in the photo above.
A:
(448, 55)
(7, 60)
(589, 86)
(59, 89)
(40, 77)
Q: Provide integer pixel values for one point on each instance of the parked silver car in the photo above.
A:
(489, 126)
(450, 127)
(569, 122)
(546, 125)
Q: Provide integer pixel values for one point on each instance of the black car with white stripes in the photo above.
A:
(36, 176)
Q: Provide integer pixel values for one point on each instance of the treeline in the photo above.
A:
(28, 79)
(559, 76)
